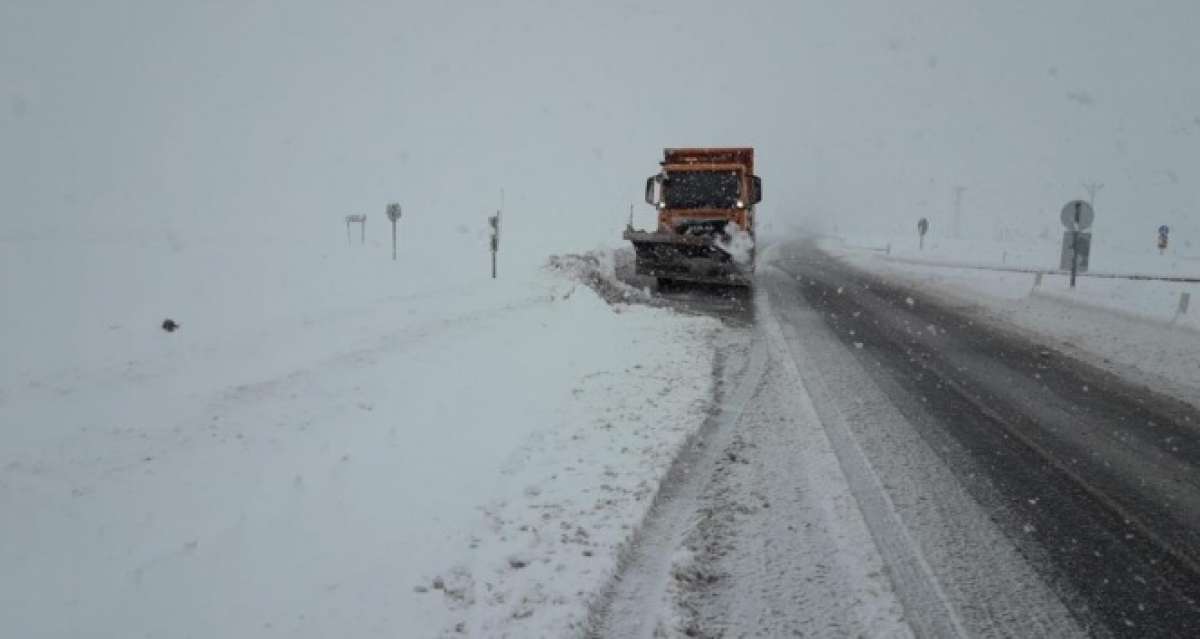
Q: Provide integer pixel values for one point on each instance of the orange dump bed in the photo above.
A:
(732, 155)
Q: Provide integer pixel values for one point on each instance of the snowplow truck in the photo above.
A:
(705, 201)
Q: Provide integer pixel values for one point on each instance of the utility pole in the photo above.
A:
(958, 194)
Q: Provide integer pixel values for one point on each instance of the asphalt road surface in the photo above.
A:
(890, 464)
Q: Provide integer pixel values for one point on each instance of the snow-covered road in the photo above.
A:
(901, 462)
(812, 505)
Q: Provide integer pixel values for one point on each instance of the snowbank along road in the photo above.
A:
(352, 456)
(884, 464)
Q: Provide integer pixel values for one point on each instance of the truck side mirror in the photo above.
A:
(756, 189)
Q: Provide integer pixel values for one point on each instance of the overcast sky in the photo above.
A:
(210, 117)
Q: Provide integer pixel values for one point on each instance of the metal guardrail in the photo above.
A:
(1190, 279)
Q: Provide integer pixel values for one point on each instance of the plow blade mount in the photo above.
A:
(687, 258)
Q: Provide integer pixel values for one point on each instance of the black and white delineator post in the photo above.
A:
(494, 222)
(393, 213)
(361, 221)
(922, 229)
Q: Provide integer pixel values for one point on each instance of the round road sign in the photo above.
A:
(1077, 215)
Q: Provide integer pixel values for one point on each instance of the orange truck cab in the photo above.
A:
(705, 198)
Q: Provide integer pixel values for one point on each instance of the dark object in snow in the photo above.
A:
(169, 325)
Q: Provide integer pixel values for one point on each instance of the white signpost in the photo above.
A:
(393, 213)
(1077, 217)
(361, 221)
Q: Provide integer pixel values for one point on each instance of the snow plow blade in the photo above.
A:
(686, 258)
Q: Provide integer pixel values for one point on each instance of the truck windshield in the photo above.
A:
(701, 189)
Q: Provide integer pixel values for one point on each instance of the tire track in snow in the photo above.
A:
(928, 609)
(638, 601)
(758, 529)
(781, 548)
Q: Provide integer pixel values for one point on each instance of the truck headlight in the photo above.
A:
(740, 204)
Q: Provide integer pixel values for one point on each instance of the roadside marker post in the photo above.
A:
(494, 222)
(393, 213)
(361, 221)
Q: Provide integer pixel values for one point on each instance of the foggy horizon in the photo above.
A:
(280, 119)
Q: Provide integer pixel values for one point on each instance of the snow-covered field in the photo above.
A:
(1132, 325)
(333, 444)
